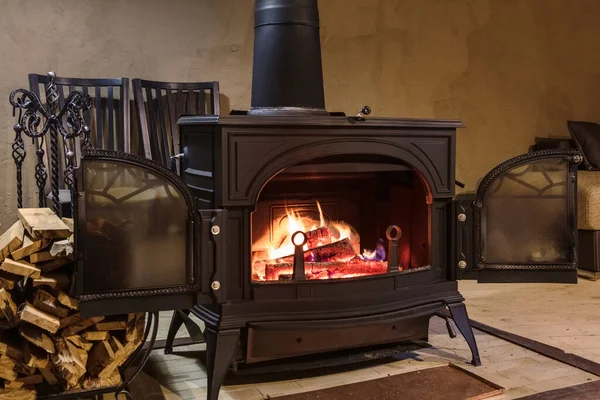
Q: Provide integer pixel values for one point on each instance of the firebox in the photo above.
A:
(292, 231)
(348, 212)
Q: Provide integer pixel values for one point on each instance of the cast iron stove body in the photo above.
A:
(291, 231)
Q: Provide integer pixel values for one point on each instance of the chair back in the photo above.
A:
(160, 104)
(109, 117)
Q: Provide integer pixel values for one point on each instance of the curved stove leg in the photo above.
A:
(220, 351)
(176, 322)
(458, 311)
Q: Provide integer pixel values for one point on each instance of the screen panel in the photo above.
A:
(136, 228)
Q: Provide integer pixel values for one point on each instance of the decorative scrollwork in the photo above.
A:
(36, 122)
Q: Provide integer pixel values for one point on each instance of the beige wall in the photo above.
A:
(510, 69)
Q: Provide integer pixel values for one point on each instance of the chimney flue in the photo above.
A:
(287, 76)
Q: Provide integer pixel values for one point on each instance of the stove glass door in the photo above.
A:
(525, 220)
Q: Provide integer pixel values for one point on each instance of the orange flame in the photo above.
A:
(295, 222)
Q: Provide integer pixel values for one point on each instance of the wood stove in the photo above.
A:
(288, 230)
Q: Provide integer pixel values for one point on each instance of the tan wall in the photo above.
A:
(510, 69)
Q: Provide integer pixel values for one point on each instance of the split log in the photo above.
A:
(95, 336)
(28, 247)
(53, 265)
(92, 382)
(36, 317)
(14, 352)
(82, 354)
(70, 320)
(132, 328)
(8, 308)
(337, 269)
(49, 374)
(20, 268)
(41, 257)
(31, 380)
(80, 342)
(337, 251)
(119, 358)
(56, 280)
(18, 394)
(318, 237)
(38, 338)
(111, 326)
(7, 368)
(11, 385)
(68, 301)
(69, 223)
(62, 248)
(43, 223)
(11, 240)
(101, 356)
(38, 358)
(24, 369)
(8, 281)
(81, 325)
(68, 362)
(47, 303)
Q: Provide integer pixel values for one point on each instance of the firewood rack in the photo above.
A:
(66, 124)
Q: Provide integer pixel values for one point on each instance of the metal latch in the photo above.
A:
(173, 161)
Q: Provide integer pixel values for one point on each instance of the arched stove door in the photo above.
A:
(525, 227)
(135, 236)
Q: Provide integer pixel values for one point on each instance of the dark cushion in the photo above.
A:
(587, 137)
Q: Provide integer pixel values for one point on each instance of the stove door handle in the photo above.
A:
(173, 161)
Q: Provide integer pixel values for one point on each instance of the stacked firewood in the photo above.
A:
(43, 338)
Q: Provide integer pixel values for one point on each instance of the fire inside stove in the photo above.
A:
(332, 250)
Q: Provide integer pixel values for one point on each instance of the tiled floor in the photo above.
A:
(520, 371)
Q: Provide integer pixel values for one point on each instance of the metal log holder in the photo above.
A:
(67, 123)
(132, 367)
(393, 233)
(299, 239)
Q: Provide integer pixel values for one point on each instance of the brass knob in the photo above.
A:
(462, 217)
(215, 230)
(216, 285)
(462, 264)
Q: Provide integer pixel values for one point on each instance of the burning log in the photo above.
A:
(318, 237)
(326, 270)
(340, 250)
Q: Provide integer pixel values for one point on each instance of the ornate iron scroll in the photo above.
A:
(37, 121)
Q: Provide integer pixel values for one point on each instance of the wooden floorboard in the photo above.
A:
(541, 348)
(585, 391)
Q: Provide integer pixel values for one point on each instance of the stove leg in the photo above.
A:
(176, 322)
(458, 311)
(220, 351)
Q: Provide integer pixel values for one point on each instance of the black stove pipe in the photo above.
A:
(287, 77)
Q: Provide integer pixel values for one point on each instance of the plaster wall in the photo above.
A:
(510, 69)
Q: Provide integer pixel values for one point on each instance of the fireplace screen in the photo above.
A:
(526, 214)
(135, 227)
(350, 214)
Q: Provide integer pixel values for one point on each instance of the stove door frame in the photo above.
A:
(529, 272)
(169, 297)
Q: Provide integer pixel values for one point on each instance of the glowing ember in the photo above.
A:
(332, 250)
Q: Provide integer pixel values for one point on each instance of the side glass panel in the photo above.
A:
(135, 233)
(525, 215)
